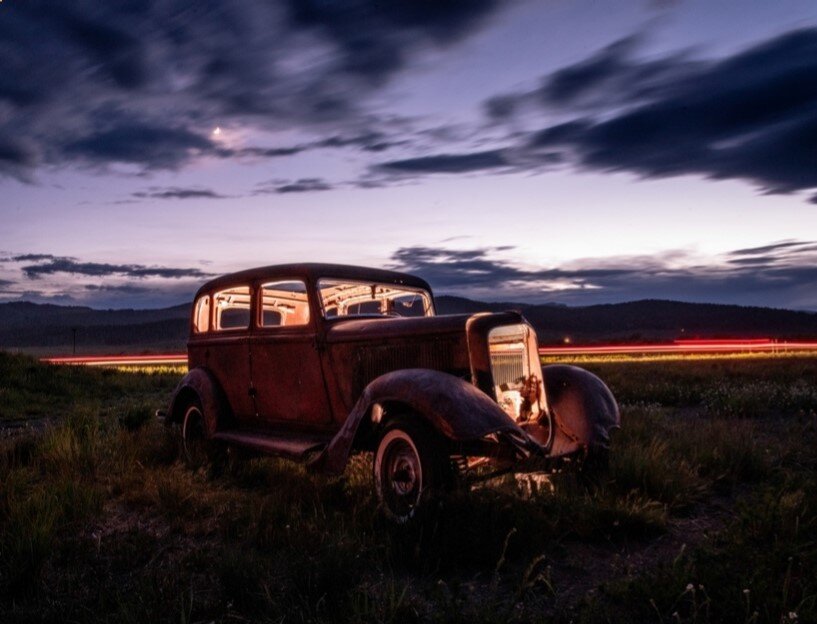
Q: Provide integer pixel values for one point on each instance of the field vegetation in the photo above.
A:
(708, 514)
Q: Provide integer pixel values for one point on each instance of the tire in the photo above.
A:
(198, 450)
(411, 467)
(193, 435)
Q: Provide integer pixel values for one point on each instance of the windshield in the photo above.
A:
(344, 298)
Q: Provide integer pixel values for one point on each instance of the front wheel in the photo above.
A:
(411, 466)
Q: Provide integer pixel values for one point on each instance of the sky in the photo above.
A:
(565, 151)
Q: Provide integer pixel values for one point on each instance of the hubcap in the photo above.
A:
(402, 478)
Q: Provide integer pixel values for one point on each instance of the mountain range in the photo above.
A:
(52, 328)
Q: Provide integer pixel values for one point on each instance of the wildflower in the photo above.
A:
(746, 591)
(690, 587)
(792, 615)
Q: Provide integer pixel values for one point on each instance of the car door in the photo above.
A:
(286, 371)
(225, 350)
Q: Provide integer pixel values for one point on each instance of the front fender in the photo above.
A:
(457, 409)
(582, 409)
(200, 384)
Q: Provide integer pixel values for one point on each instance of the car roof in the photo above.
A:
(310, 271)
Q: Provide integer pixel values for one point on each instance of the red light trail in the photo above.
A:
(165, 359)
(751, 345)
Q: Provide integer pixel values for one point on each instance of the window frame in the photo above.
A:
(221, 330)
(195, 324)
(431, 311)
(258, 298)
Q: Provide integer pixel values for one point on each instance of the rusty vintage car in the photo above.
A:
(314, 362)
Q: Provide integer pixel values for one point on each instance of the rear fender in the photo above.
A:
(457, 409)
(582, 409)
(200, 384)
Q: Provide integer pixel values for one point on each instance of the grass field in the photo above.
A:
(708, 514)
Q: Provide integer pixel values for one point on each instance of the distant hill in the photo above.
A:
(25, 314)
(646, 320)
(48, 328)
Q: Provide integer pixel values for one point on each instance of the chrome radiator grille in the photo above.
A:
(508, 367)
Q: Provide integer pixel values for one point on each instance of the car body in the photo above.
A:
(314, 362)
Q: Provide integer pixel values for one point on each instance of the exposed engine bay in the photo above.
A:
(517, 372)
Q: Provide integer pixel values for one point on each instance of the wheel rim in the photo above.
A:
(401, 477)
(193, 437)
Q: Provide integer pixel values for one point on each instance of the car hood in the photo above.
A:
(375, 328)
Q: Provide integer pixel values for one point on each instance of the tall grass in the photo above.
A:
(99, 521)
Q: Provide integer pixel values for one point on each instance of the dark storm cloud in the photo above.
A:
(54, 265)
(150, 145)
(144, 82)
(750, 116)
(174, 192)
(779, 277)
(373, 37)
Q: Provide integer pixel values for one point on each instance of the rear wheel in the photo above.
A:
(199, 450)
(411, 467)
(193, 436)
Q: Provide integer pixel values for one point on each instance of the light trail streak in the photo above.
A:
(166, 359)
(753, 345)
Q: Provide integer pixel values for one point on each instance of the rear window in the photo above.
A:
(232, 309)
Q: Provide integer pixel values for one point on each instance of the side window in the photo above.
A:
(201, 318)
(283, 303)
(232, 307)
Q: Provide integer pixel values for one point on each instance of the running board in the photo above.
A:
(291, 447)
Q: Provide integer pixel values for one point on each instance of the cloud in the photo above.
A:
(775, 249)
(780, 275)
(446, 163)
(93, 84)
(173, 192)
(129, 289)
(133, 141)
(49, 265)
(367, 141)
(374, 38)
(750, 116)
(304, 185)
(29, 258)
